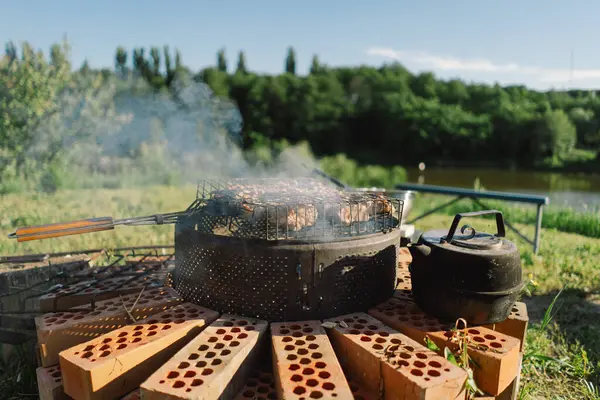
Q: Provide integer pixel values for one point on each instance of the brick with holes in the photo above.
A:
(304, 363)
(59, 331)
(515, 325)
(361, 393)
(49, 302)
(49, 382)
(375, 354)
(97, 291)
(496, 354)
(135, 395)
(403, 280)
(114, 364)
(259, 386)
(215, 365)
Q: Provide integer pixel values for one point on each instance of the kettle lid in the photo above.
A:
(469, 238)
(474, 240)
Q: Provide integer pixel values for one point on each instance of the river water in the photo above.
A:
(579, 191)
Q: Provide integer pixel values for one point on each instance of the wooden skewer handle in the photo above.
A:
(64, 229)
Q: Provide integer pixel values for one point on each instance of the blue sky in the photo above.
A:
(525, 42)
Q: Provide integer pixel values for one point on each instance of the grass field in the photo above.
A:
(561, 357)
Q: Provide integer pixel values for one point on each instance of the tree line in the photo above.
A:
(388, 115)
(374, 115)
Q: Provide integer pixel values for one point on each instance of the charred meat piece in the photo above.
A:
(284, 217)
(360, 210)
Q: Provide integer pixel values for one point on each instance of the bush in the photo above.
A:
(350, 173)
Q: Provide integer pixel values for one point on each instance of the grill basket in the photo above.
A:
(258, 267)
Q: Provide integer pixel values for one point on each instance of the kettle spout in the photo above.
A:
(419, 250)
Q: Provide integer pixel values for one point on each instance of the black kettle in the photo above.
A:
(471, 275)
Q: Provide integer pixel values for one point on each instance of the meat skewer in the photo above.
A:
(242, 208)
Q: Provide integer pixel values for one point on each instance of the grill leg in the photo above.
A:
(538, 228)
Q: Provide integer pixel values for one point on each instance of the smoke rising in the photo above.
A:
(139, 136)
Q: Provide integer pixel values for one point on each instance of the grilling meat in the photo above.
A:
(292, 205)
(362, 210)
(257, 204)
(293, 218)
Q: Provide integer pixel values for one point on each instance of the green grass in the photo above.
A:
(562, 352)
(559, 218)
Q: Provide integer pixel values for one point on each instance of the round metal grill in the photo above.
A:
(284, 282)
(285, 250)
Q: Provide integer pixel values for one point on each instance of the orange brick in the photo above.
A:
(403, 280)
(146, 259)
(403, 294)
(260, 386)
(164, 265)
(153, 279)
(59, 331)
(132, 266)
(496, 354)
(49, 382)
(305, 365)
(114, 364)
(100, 290)
(404, 256)
(135, 395)
(377, 355)
(215, 365)
(512, 391)
(515, 325)
(48, 301)
(360, 393)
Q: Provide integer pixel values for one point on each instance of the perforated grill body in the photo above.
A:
(285, 280)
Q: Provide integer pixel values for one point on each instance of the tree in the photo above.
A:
(10, 51)
(178, 62)
(424, 85)
(241, 64)
(85, 67)
(155, 56)
(290, 61)
(554, 135)
(587, 125)
(46, 111)
(121, 61)
(28, 89)
(139, 60)
(169, 67)
(315, 66)
(59, 55)
(221, 61)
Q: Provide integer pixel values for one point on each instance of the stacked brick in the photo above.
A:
(260, 386)
(114, 364)
(59, 331)
(142, 341)
(214, 365)
(385, 361)
(497, 354)
(305, 363)
(49, 380)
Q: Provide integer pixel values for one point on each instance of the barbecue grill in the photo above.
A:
(276, 249)
(304, 250)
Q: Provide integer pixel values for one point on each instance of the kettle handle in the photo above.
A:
(457, 218)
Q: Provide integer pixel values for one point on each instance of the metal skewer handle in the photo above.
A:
(63, 229)
(88, 226)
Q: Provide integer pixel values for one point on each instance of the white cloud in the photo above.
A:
(546, 76)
